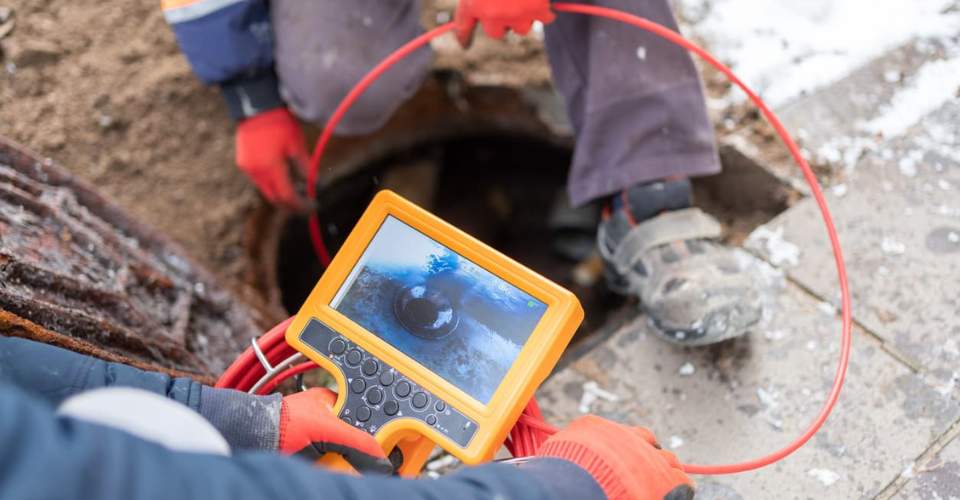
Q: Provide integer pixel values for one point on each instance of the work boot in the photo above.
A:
(695, 290)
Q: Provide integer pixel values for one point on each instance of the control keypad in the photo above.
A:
(378, 394)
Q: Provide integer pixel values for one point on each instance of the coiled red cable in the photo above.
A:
(531, 430)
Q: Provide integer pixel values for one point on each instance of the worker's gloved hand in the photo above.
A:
(269, 146)
(625, 461)
(497, 16)
(309, 428)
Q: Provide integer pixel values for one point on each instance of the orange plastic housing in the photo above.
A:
(535, 361)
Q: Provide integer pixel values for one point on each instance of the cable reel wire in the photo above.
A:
(531, 430)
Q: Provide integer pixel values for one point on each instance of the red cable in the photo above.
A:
(530, 427)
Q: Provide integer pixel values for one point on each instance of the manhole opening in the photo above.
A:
(504, 190)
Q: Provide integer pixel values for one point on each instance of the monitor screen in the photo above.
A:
(457, 319)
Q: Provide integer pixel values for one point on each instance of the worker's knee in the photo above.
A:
(323, 48)
(313, 91)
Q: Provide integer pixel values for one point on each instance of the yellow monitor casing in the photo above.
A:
(450, 381)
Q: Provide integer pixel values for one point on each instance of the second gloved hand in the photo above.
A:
(309, 428)
(269, 146)
(497, 16)
(626, 462)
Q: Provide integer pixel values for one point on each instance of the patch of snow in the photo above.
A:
(826, 476)
(767, 398)
(780, 251)
(591, 393)
(892, 246)
(908, 164)
(953, 237)
(909, 471)
(675, 442)
(827, 308)
(948, 388)
(687, 369)
(784, 49)
(934, 84)
(775, 334)
(839, 190)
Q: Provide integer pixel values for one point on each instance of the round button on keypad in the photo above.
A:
(354, 357)
(363, 414)
(374, 396)
(420, 401)
(338, 346)
(391, 407)
(357, 385)
(440, 406)
(431, 419)
(370, 367)
(402, 389)
(387, 378)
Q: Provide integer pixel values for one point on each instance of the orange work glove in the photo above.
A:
(497, 16)
(626, 462)
(268, 144)
(308, 428)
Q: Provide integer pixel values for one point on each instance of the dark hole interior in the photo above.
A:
(500, 189)
(422, 311)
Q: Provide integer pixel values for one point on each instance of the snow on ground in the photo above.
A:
(784, 48)
(936, 83)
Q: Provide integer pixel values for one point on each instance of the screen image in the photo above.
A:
(453, 317)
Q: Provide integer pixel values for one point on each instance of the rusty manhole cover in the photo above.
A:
(76, 272)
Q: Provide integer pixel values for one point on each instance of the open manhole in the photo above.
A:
(502, 181)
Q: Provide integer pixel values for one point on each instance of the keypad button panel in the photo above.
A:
(384, 394)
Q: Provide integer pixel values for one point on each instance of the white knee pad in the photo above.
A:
(149, 417)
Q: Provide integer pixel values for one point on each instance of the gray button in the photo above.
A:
(338, 346)
(354, 357)
(357, 385)
(363, 414)
(402, 389)
(420, 400)
(431, 419)
(387, 378)
(370, 367)
(374, 396)
(440, 406)
(391, 407)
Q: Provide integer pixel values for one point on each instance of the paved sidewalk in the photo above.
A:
(896, 204)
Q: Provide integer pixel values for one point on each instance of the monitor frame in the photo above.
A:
(535, 361)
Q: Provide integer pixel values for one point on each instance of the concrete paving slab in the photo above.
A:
(899, 220)
(736, 400)
(939, 479)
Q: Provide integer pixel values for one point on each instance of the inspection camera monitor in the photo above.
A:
(432, 336)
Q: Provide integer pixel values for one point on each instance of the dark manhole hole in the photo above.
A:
(502, 189)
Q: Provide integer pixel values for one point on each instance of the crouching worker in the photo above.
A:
(74, 427)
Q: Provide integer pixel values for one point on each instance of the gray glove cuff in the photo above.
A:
(246, 421)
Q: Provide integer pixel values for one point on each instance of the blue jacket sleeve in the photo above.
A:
(45, 457)
(222, 39)
(52, 375)
(229, 43)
